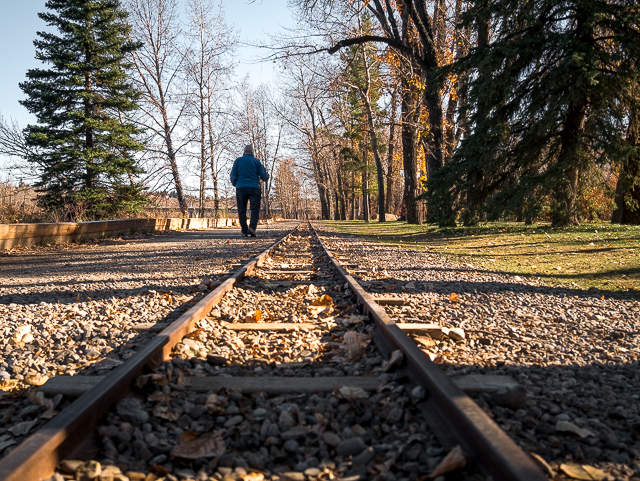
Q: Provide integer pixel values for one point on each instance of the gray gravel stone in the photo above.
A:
(351, 446)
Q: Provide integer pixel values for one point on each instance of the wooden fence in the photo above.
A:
(12, 235)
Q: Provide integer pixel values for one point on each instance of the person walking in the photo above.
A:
(245, 177)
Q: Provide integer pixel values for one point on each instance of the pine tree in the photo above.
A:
(82, 145)
(544, 96)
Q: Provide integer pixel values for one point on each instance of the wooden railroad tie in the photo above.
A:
(504, 390)
(433, 330)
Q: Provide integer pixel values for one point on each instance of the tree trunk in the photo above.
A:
(365, 184)
(409, 155)
(214, 174)
(388, 209)
(376, 156)
(476, 177)
(628, 186)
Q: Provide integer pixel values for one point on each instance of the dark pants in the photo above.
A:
(243, 196)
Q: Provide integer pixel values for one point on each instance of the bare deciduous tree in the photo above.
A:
(208, 67)
(156, 73)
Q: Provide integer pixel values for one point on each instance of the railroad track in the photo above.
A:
(276, 374)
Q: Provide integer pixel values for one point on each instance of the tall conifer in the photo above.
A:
(82, 145)
(545, 102)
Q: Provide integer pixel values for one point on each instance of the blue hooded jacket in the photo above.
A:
(247, 172)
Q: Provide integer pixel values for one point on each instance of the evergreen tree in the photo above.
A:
(545, 102)
(82, 144)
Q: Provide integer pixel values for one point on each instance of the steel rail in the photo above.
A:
(457, 417)
(38, 455)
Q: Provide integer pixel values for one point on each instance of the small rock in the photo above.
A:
(312, 472)
(135, 476)
(395, 415)
(351, 447)
(294, 433)
(456, 334)
(291, 446)
(233, 421)
(365, 457)
(56, 477)
(568, 427)
(70, 466)
(293, 476)
(418, 392)
(331, 439)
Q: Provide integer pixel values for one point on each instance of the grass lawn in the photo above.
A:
(600, 255)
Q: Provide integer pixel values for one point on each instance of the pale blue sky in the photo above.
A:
(19, 23)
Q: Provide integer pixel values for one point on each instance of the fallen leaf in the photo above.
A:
(584, 472)
(36, 379)
(546, 467)
(453, 461)
(453, 297)
(39, 399)
(254, 316)
(163, 412)
(426, 340)
(323, 300)
(8, 384)
(394, 360)
(353, 392)
(356, 344)
(206, 446)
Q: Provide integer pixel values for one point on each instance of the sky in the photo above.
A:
(19, 22)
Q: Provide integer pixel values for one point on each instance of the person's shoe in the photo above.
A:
(244, 234)
(252, 232)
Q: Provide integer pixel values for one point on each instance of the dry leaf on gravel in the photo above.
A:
(394, 361)
(163, 412)
(453, 461)
(35, 379)
(453, 297)
(583, 472)
(349, 392)
(323, 300)
(254, 316)
(22, 334)
(6, 384)
(354, 319)
(546, 467)
(39, 399)
(356, 345)
(206, 446)
(425, 340)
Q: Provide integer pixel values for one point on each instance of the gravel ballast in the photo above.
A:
(70, 309)
(575, 351)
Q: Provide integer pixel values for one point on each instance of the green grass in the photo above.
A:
(597, 255)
